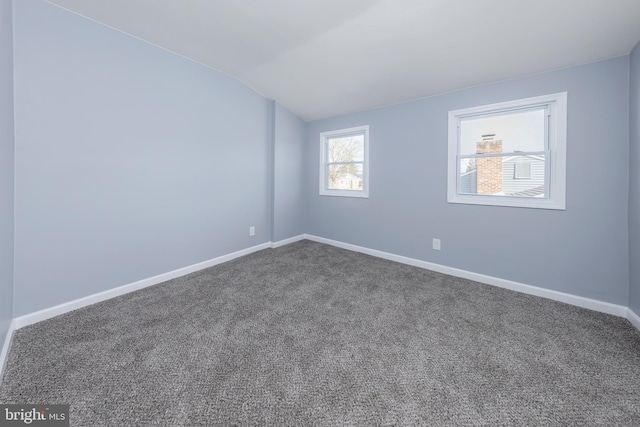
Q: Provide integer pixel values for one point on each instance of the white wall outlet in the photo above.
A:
(252, 231)
(436, 244)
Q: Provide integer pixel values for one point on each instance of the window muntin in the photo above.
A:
(344, 162)
(509, 154)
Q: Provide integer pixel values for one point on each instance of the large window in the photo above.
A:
(344, 162)
(509, 154)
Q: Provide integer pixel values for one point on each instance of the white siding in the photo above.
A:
(512, 185)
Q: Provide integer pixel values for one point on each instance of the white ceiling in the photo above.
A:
(322, 58)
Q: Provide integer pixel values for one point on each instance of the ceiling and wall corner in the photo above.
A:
(327, 58)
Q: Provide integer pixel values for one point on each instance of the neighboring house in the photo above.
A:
(348, 181)
(522, 176)
(469, 182)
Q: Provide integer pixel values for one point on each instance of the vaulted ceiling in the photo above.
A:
(322, 58)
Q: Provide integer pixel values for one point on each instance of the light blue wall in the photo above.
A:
(130, 161)
(582, 251)
(289, 214)
(6, 168)
(634, 183)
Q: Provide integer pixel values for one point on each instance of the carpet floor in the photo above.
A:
(310, 334)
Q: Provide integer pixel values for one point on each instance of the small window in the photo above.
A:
(522, 170)
(509, 154)
(344, 162)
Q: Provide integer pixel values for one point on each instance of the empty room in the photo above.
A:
(323, 213)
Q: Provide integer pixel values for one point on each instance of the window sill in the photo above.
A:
(514, 202)
(345, 193)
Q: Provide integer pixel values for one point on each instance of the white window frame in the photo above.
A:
(555, 153)
(324, 141)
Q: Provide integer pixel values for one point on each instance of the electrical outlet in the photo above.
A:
(252, 231)
(436, 244)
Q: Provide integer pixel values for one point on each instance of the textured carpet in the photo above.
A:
(309, 334)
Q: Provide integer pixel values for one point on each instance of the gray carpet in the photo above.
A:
(309, 334)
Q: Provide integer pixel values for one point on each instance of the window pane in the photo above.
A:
(503, 133)
(345, 177)
(346, 149)
(497, 176)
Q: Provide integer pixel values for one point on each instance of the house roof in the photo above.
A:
(507, 159)
(331, 57)
(530, 192)
(350, 176)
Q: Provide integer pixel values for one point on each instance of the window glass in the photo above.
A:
(346, 149)
(344, 164)
(345, 177)
(515, 131)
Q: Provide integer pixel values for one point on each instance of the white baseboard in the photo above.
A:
(288, 241)
(592, 304)
(47, 313)
(601, 306)
(6, 347)
(633, 318)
